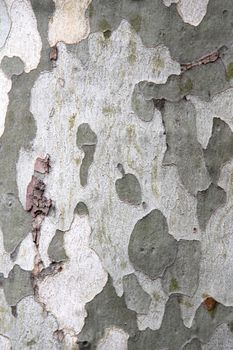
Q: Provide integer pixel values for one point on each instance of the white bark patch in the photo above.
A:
(5, 343)
(81, 279)
(69, 23)
(32, 327)
(5, 86)
(25, 256)
(23, 41)
(114, 339)
(5, 260)
(100, 95)
(191, 11)
(5, 23)
(70, 342)
(219, 107)
(47, 232)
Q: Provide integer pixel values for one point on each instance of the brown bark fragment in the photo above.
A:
(53, 53)
(210, 58)
(209, 303)
(36, 202)
(42, 165)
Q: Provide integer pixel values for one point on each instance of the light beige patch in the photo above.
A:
(69, 23)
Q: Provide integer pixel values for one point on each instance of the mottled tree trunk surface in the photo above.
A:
(116, 174)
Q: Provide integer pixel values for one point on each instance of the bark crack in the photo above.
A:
(209, 58)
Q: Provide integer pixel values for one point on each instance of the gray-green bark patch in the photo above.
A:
(172, 334)
(12, 66)
(128, 189)
(15, 223)
(144, 108)
(56, 250)
(86, 163)
(81, 209)
(219, 149)
(158, 24)
(193, 345)
(17, 285)
(183, 275)
(207, 202)
(183, 148)
(81, 51)
(205, 322)
(85, 136)
(86, 140)
(104, 311)
(135, 297)
(151, 248)
(203, 81)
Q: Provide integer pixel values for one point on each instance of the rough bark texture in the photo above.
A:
(116, 174)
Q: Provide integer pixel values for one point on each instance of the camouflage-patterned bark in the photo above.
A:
(116, 174)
